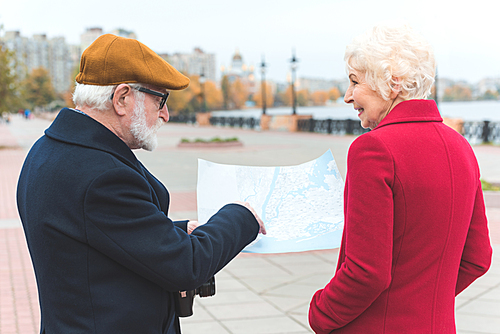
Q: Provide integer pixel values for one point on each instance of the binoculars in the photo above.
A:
(184, 299)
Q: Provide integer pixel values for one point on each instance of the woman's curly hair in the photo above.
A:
(392, 57)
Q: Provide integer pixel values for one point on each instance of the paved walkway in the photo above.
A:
(255, 293)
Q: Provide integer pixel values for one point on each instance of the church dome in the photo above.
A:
(237, 56)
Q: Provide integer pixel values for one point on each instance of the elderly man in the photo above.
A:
(106, 256)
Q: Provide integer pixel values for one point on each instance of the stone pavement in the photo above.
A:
(255, 293)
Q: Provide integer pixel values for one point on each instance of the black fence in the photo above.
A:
(189, 119)
(474, 132)
(241, 122)
(331, 126)
(482, 132)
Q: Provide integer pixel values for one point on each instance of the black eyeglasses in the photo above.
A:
(163, 96)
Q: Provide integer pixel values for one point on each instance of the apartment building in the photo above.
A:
(39, 51)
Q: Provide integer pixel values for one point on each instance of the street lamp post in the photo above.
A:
(202, 90)
(294, 62)
(263, 85)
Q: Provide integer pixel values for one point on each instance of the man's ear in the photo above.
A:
(123, 99)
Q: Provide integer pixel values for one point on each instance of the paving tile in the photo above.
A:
(300, 309)
(318, 280)
(302, 319)
(495, 268)
(232, 284)
(261, 284)
(244, 311)
(223, 275)
(266, 269)
(490, 279)
(481, 307)
(461, 302)
(479, 324)
(271, 325)
(230, 297)
(248, 262)
(206, 327)
(472, 292)
(285, 304)
(329, 256)
(492, 294)
(304, 269)
(295, 258)
(293, 290)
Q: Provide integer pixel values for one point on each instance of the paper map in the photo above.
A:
(301, 206)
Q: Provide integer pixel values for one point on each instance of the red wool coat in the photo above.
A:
(415, 231)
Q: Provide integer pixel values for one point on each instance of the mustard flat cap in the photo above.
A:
(112, 60)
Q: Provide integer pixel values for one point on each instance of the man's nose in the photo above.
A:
(164, 113)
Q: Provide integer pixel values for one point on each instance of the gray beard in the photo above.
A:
(144, 137)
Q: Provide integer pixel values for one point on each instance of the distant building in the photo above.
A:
(124, 33)
(314, 84)
(488, 84)
(39, 51)
(195, 63)
(239, 70)
(89, 36)
(61, 64)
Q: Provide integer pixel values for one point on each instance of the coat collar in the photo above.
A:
(82, 130)
(412, 111)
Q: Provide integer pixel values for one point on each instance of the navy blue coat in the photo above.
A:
(106, 256)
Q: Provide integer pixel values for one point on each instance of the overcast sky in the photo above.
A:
(465, 34)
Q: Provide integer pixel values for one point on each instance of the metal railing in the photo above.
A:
(475, 132)
(189, 119)
(482, 132)
(241, 122)
(331, 126)
(340, 127)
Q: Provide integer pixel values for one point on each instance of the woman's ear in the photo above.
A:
(395, 87)
(122, 99)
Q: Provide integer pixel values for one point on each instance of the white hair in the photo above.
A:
(96, 97)
(390, 51)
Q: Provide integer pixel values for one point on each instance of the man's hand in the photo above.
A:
(191, 225)
(261, 223)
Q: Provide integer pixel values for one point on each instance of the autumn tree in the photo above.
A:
(185, 101)
(191, 99)
(257, 98)
(213, 96)
(9, 99)
(286, 96)
(334, 94)
(178, 101)
(319, 98)
(225, 87)
(37, 88)
(302, 97)
(68, 94)
(490, 95)
(238, 94)
(457, 93)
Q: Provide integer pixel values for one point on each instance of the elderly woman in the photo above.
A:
(415, 231)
